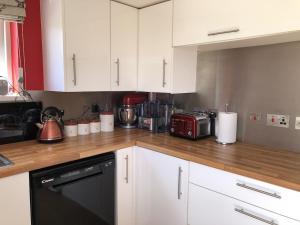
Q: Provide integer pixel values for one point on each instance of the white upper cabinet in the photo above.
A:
(163, 68)
(161, 189)
(217, 24)
(124, 47)
(76, 45)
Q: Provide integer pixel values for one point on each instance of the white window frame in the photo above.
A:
(4, 49)
(5, 57)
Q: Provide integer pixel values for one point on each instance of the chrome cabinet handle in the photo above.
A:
(127, 169)
(179, 183)
(74, 70)
(274, 195)
(244, 212)
(164, 73)
(118, 71)
(231, 30)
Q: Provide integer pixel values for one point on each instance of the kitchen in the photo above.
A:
(250, 63)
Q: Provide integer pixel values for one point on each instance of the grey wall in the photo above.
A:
(73, 103)
(262, 79)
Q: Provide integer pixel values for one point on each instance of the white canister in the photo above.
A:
(83, 127)
(107, 121)
(70, 128)
(227, 127)
(95, 126)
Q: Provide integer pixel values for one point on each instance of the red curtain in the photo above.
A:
(14, 54)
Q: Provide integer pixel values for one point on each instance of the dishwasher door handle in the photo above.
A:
(59, 185)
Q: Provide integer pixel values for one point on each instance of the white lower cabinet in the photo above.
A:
(161, 189)
(125, 186)
(158, 189)
(15, 200)
(211, 208)
(270, 197)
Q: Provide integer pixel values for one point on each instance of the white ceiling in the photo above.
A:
(140, 3)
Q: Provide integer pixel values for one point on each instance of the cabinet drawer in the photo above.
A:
(210, 208)
(271, 197)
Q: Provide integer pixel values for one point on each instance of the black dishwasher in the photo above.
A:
(77, 193)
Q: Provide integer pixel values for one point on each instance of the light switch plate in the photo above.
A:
(254, 117)
(297, 123)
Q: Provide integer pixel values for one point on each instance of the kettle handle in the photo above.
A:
(53, 111)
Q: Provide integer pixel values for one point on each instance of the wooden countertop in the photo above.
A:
(31, 155)
(277, 167)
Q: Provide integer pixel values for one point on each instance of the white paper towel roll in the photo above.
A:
(227, 127)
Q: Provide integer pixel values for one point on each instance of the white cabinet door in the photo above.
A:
(233, 23)
(15, 200)
(53, 45)
(87, 44)
(76, 45)
(125, 187)
(155, 48)
(163, 68)
(210, 208)
(124, 47)
(161, 189)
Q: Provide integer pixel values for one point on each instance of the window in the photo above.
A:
(12, 14)
(5, 63)
(9, 55)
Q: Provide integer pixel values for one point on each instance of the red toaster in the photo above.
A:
(190, 125)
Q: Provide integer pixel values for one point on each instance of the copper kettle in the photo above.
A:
(51, 126)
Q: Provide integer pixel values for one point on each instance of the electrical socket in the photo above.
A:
(282, 121)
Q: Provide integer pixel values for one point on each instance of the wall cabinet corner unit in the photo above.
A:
(15, 200)
(76, 45)
(124, 47)
(217, 24)
(163, 68)
(125, 186)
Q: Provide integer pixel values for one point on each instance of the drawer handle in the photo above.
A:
(232, 30)
(274, 195)
(242, 211)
